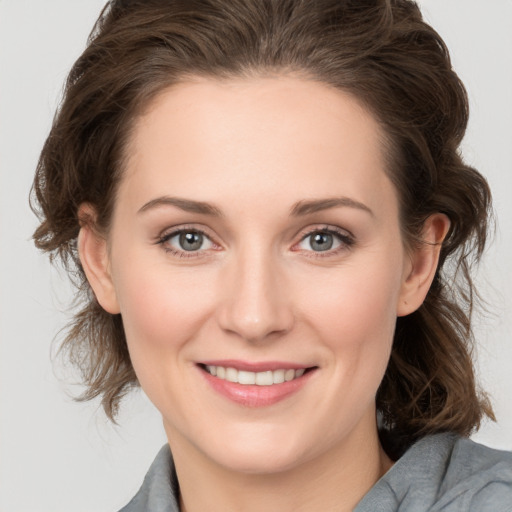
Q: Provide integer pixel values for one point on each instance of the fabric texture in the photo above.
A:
(444, 473)
(159, 491)
(440, 473)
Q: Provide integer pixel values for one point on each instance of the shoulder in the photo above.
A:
(483, 475)
(445, 473)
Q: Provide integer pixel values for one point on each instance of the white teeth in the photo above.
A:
(278, 376)
(231, 375)
(289, 375)
(246, 377)
(266, 378)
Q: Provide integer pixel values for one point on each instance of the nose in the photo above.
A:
(255, 301)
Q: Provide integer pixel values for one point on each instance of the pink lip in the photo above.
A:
(252, 395)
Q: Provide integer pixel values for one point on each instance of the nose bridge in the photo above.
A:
(255, 302)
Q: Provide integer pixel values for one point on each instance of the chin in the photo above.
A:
(258, 453)
(265, 462)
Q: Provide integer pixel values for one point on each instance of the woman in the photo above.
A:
(273, 231)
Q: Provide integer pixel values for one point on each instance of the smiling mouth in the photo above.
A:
(248, 378)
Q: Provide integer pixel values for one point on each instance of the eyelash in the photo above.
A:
(347, 241)
(163, 239)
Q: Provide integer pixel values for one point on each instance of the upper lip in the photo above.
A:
(255, 366)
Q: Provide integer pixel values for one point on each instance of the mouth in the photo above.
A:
(257, 384)
(262, 378)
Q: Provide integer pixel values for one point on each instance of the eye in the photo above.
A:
(325, 240)
(186, 241)
(190, 241)
(320, 241)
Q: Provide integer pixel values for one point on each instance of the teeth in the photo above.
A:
(278, 376)
(259, 378)
(246, 377)
(231, 375)
(264, 378)
(289, 375)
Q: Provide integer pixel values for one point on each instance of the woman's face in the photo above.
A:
(256, 238)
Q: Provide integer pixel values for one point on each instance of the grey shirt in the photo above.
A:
(440, 473)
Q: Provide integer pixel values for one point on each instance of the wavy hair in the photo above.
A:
(380, 51)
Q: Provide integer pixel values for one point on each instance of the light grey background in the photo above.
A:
(56, 455)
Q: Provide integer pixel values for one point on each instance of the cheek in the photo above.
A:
(354, 300)
(355, 314)
(161, 309)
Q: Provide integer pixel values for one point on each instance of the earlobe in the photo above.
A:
(422, 266)
(93, 252)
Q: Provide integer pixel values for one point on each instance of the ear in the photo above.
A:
(422, 266)
(94, 256)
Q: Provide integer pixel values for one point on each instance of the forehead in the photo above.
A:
(256, 136)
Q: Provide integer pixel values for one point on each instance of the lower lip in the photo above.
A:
(256, 396)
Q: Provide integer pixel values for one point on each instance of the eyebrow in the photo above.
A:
(308, 207)
(184, 204)
(305, 207)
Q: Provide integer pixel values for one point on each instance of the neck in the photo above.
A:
(336, 480)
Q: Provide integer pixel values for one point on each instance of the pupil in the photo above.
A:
(191, 241)
(321, 242)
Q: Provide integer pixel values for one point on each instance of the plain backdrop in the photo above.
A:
(57, 455)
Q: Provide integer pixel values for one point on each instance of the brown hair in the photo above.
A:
(383, 53)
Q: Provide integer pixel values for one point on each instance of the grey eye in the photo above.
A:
(324, 240)
(190, 240)
(321, 241)
(187, 241)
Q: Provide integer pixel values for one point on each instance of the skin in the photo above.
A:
(255, 150)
